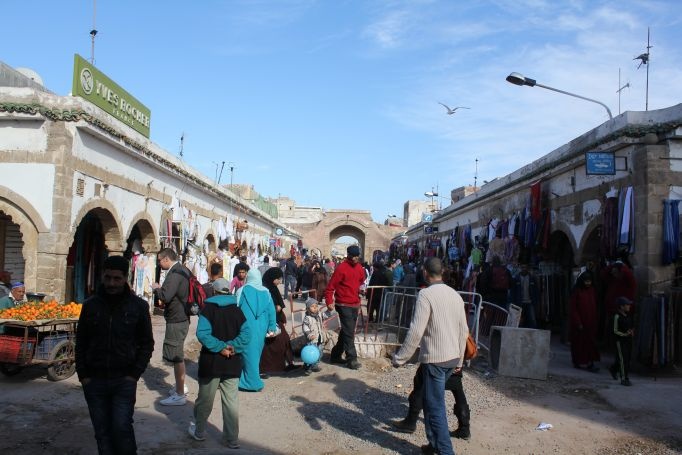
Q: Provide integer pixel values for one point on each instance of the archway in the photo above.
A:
(11, 247)
(557, 282)
(87, 252)
(591, 245)
(343, 236)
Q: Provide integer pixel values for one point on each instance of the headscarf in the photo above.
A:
(269, 278)
(253, 279)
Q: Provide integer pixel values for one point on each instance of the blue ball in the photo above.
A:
(310, 354)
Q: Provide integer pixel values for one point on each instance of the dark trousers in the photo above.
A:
(111, 403)
(623, 353)
(348, 318)
(453, 384)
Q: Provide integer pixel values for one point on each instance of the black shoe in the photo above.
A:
(353, 364)
(334, 359)
(592, 369)
(264, 376)
(626, 382)
(461, 433)
(404, 426)
(307, 372)
(315, 368)
(614, 372)
(428, 449)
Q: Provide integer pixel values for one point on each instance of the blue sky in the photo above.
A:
(335, 103)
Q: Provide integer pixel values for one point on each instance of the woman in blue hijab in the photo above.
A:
(256, 303)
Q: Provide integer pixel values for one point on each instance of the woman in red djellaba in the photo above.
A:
(583, 323)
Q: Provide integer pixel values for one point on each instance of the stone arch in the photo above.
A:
(351, 230)
(561, 250)
(590, 240)
(108, 216)
(150, 239)
(563, 227)
(20, 216)
(20, 204)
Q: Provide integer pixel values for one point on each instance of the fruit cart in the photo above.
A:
(48, 342)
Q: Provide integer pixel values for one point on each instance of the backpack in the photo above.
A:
(500, 278)
(195, 295)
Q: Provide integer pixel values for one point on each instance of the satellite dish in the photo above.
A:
(31, 74)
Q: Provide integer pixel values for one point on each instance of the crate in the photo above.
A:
(46, 346)
(14, 350)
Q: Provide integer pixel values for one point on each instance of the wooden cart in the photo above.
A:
(48, 342)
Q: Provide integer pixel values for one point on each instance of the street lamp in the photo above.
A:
(520, 79)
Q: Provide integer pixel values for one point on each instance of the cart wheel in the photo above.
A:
(10, 369)
(62, 361)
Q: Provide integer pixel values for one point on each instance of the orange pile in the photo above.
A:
(42, 310)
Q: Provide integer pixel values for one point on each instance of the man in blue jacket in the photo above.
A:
(224, 334)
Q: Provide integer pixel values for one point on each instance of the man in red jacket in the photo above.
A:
(343, 291)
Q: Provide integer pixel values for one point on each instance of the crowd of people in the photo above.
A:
(242, 331)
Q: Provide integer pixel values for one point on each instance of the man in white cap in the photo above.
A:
(343, 292)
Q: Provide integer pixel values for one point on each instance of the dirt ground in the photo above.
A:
(340, 411)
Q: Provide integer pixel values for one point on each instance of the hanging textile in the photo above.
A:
(609, 228)
(626, 224)
(671, 230)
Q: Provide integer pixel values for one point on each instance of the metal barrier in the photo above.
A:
(397, 308)
(489, 315)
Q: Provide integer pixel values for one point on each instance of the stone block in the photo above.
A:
(520, 352)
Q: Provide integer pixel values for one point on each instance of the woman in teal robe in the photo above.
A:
(256, 303)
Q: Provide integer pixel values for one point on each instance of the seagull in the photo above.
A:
(644, 59)
(452, 111)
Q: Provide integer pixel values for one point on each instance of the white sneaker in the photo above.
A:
(172, 391)
(174, 400)
(192, 430)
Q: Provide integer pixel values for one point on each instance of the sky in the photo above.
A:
(334, 103)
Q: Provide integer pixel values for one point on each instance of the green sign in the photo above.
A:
(92, 85)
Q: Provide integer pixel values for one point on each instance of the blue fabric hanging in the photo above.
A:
(671, 230)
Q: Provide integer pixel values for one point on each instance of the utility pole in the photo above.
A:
(93, 33)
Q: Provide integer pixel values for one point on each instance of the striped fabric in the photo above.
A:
(439, 327)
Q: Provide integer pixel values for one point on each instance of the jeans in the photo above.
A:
(348, 318)
(229, 399)
(111, 403)
(416, 397)
(289, 285)
(435, 419)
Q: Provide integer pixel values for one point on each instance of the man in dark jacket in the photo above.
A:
(223, 333)
(174, 294)
(344, 291)
(114, 343)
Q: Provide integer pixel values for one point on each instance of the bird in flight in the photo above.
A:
(453, 110)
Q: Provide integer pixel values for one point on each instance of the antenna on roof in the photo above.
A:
(620, 89)
(644, 60)
(182, 143)
(476, 176)
(93, 33)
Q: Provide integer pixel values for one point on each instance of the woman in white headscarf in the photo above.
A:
(256, 303)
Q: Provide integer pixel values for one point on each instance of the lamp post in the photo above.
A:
(520, 79)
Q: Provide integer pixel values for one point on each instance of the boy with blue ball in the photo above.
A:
(315, 334)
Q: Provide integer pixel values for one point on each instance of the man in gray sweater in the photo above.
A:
(439, 328)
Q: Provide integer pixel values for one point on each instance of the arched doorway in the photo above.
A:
(343, 236)
(591, 246)
(87, 252)
(557, 282)
(11, 246)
